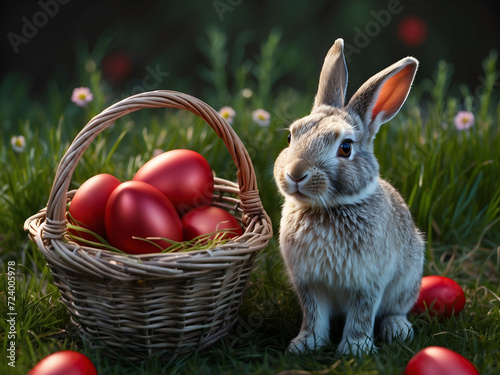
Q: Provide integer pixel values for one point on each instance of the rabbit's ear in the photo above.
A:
(333, 78)
(383, 95)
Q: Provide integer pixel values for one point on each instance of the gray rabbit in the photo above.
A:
(347, 237)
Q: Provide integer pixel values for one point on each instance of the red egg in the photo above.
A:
(66, 362)
(436, 360)
(137, 209)
(440, 296)
(412, 31)
(184, 176)
(89, 203)
(117, 67)
(209, 219)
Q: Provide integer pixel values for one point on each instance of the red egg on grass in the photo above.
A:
(440, 296)
(66, 362)
(436, 360)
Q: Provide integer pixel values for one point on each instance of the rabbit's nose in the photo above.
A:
(296, 179)
(297, 172)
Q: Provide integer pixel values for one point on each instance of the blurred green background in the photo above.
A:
(169, 34)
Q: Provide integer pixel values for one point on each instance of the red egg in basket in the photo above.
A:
(136, 211)
(89, 203)
(184, 176)
(209, 219)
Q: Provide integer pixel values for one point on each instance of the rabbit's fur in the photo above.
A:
(347, 237)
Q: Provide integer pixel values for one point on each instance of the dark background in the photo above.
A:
(171, 32)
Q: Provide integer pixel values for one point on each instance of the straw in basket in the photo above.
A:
(159, 304)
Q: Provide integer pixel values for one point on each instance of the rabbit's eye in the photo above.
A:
(289, 139)
(345, 149)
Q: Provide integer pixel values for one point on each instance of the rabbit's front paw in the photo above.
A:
(395, 327)
(356, 347)
(305, 341)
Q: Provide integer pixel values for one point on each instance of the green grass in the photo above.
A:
(450, 179)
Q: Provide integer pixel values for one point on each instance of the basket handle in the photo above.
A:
(55, 224)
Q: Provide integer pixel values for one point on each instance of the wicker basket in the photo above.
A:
(153, 304)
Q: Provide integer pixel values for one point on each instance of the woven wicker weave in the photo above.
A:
(153, 304)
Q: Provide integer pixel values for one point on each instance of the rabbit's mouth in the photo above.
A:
(306, 189)
(301, 196)
(295, 188)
